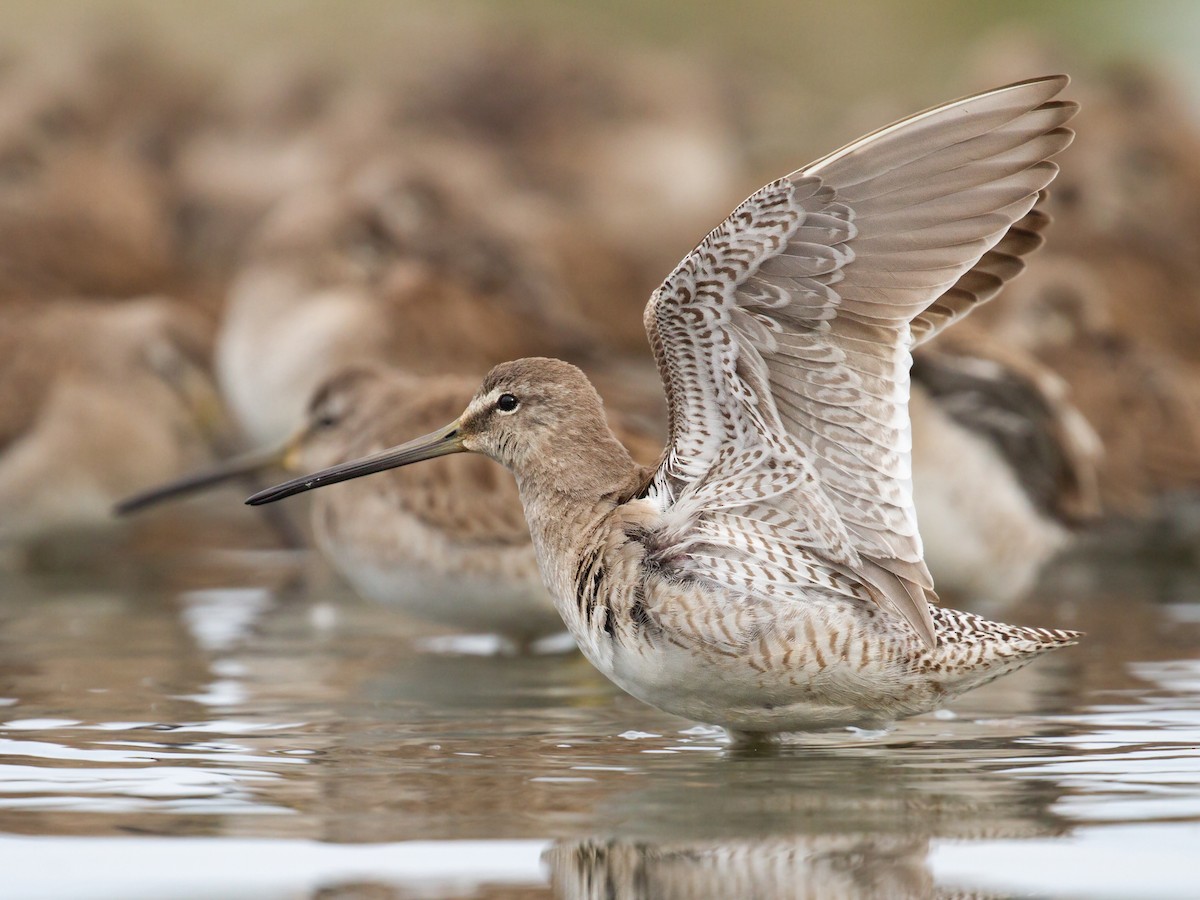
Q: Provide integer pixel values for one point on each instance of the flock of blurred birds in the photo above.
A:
(307, 266)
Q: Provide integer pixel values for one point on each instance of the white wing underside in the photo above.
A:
(784, 342)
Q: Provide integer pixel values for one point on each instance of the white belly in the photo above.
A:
(823, 662)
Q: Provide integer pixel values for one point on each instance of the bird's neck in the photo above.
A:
(567, 495)
(577, 474)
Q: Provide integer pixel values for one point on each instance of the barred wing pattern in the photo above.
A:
(783, 342)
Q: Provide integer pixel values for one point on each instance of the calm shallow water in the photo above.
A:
(239, 730)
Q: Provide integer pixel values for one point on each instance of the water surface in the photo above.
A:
(251, 730)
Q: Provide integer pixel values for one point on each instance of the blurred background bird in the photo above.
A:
(448, 546)
(96, 400)
(348, 195)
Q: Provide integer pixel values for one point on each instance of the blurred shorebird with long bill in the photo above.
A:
(767, 575)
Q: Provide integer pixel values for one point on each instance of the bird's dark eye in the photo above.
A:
(326, 421)
(507, 403)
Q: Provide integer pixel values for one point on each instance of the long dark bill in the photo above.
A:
(439, 443)
(240, 466)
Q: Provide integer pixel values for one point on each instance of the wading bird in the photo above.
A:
(767, 575)
(97, 399)
(1005, 468)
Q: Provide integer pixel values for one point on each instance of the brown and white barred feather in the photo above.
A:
(786, 333)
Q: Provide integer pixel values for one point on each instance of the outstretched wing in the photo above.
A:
(783, 342)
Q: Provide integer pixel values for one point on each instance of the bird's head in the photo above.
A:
(531, 415)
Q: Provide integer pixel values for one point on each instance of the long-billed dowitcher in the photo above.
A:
(374, 267)
(1004, 468)
(1140, 400)
(99, 400)
(448, 545)
(767, 575)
